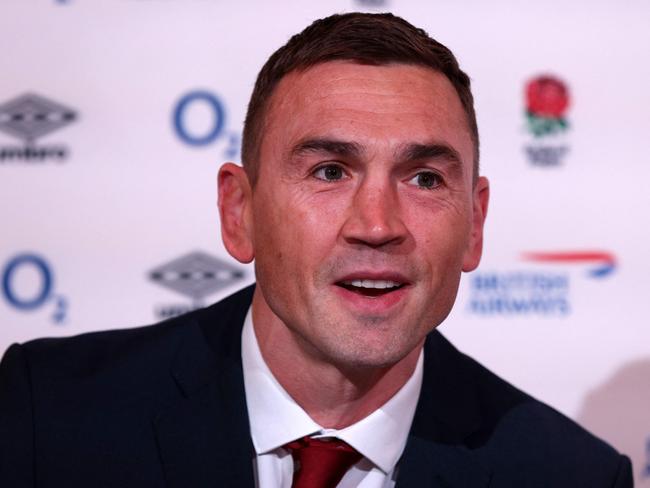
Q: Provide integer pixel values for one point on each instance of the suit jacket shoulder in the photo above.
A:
(90, 410)
(472, 428)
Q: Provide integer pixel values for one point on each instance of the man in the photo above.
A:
(361, 203)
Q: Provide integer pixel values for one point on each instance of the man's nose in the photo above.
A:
(375, 216)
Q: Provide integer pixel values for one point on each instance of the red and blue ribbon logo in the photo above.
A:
(602, 263)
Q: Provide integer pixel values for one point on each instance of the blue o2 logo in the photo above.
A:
(189, 121)
(42, 292)
(39, 289)
(213, 104)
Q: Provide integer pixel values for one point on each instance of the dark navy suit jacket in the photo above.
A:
(164, 406)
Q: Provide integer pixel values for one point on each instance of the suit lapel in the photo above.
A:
(203, 437)
(447, 415)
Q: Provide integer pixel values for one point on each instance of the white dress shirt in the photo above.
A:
(276, 419)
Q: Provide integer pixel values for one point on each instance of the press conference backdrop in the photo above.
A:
(115, 116)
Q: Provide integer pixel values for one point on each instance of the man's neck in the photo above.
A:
(334, 396)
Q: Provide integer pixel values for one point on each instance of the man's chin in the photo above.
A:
(372, 347)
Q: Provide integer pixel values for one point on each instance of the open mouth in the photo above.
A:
(370, 288)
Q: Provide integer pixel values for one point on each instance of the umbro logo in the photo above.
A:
(29, 117)
(195, 275)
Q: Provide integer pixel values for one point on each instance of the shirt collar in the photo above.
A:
(275, 418)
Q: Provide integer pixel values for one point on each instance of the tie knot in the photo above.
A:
(320, 463)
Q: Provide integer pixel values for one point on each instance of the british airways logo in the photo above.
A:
(542, 289)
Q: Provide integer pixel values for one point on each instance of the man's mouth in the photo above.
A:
(370, 288)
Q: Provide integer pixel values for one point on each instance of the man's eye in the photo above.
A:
(331, 172)
(427, 180)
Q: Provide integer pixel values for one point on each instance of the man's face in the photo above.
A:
(364, 212)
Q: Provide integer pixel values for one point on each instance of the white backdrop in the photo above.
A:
(116, 114)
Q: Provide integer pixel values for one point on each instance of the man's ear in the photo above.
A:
(480, 197)
(236, 212)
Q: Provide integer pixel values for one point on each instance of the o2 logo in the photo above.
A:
(190, 135)
(38, 292)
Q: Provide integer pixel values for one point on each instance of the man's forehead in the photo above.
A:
(335, 78)
(343, 100)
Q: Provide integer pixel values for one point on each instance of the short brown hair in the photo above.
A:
(373, 39)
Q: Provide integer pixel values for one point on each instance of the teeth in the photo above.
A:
(380, 284)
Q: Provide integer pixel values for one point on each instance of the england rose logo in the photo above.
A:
(547, 99)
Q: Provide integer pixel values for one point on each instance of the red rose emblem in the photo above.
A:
(547, 96)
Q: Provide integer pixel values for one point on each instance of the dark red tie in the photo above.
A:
(320, 463)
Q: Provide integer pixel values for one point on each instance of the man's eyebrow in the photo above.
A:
(329, 146)
(415, 152)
